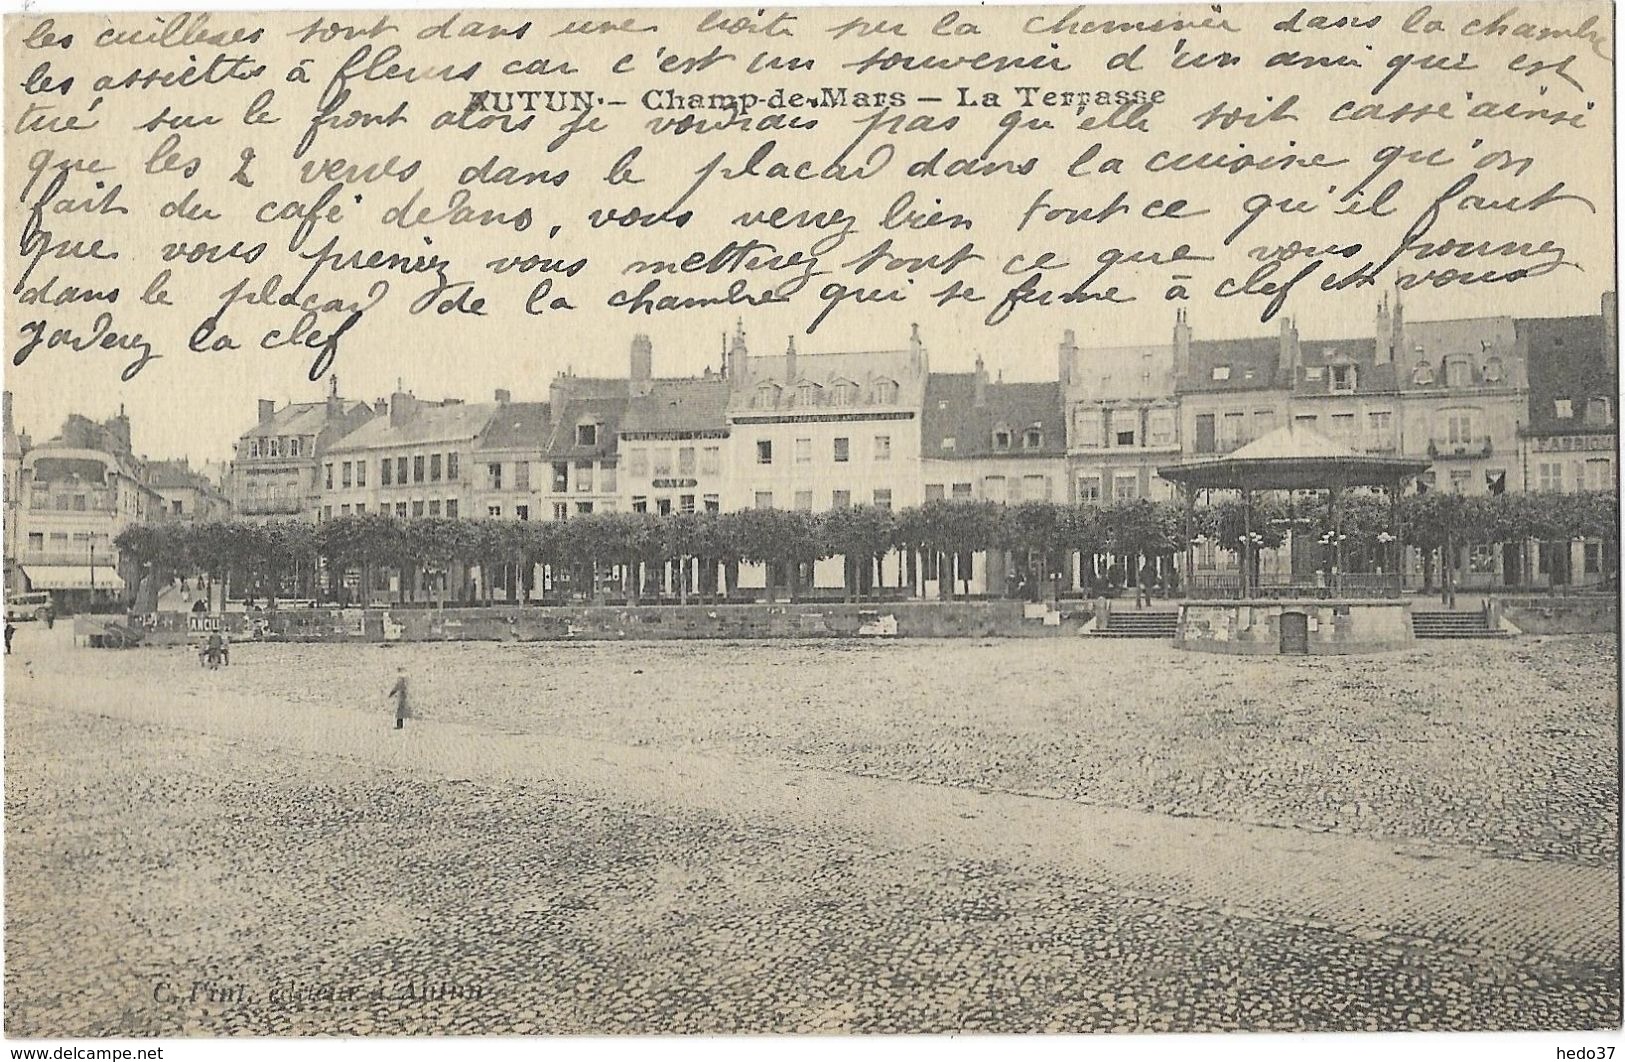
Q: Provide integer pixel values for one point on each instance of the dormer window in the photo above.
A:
(1599, 411)
(766, 397)
(886, 392)
(844, 392)
(1313, 372)
(253, 447)
(1494, 370)
(587, 434)
(1033, 439)
(807, 394)
(1343, 378)
(1221, 372)
(293, 446)
(948, 442)
(1563, 408)
(1001, 438)
(1422, 375)
(275, 447)
(1458, 371)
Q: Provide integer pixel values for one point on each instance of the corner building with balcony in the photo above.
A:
(274, 472)
(76, 493)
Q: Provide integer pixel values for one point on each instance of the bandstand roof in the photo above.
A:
(1292, 458)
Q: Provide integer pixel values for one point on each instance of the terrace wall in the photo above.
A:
(917, 619)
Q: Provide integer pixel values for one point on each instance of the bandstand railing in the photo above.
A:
(1227, 586)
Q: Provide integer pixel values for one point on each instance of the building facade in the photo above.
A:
(988, 440)
(274, 471)
(510, 461)
(17, 444)
(186, 494)
(76, 493)
(820, 431)
(413, 459)
(1122, 417)
(1571, 436)
(582, 452)
(672, 439)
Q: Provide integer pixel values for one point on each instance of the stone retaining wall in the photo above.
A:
(1562, 615)
(918, 619)
(1333, 627)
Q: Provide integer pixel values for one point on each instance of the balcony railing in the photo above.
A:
(270, 505)
(1475, 446)
(106, 557)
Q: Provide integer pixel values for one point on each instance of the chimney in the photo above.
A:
(504, 396)
(403, 406)
(1066, 357)
(381, 407)
(1399, 319)
(1287, 361)
(1386, 348)
(267, 409)
(916, 349)
(640, 379)
(1610, 324)
(981, 383)
(1182, 345)
(335, 404)
(790, 376)
(5, 415)
(738, 368)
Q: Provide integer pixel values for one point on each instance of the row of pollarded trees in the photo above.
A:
(705, 550)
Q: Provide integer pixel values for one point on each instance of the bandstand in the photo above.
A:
(1336, 612)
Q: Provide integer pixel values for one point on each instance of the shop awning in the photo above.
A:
(71, 577)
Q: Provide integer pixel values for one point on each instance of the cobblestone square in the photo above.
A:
(927, 836)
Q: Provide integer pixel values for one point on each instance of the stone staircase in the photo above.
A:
(1441, 624)
(1140, 623)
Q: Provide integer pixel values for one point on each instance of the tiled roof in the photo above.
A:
(297, 418)
(606, 412)
(1252, 363)
(519, 426)
(823, 368)
(430, 424)
(951, 412)
(699, 404)
(1291, 442)
(1369, 376)
(1568, 358)
(174, 474)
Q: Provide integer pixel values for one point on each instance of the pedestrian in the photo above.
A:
(10, 630)
(50, 618)
(1142, 591)
(398, 691)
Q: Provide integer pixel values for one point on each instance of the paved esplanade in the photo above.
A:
(1416, 896)
(1374, 886)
